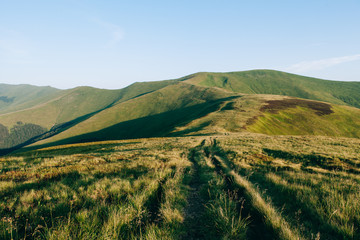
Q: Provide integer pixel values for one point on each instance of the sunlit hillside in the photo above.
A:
(261, 101)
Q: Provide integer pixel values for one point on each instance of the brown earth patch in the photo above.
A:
(251, 121)
(275, 106)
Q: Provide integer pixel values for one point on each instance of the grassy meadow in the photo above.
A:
(235, 186)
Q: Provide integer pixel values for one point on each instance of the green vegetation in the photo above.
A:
(19, 97)
(198, 104)
(205, 111)
(4, 134)
(18, 134)
(244, 186)
(212, 173)
(132, 189)
(281, 83)
(304, 120)
(314, 181)
(124, 193)
(69, 107)
(47, 106)
(151, 115)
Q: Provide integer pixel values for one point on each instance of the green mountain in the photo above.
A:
(18, 97)
(261, 101)
(63, 110)
(153, 114)
(281, 83)
(67, 105)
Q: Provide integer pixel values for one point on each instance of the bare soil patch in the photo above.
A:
(275, 106)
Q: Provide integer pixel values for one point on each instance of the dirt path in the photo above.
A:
(257, 227)
(194, 223)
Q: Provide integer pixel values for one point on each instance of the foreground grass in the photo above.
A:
(215, 212)
(272, 217)
(117, 190)
(105, 191)
(234, 187)
(313, 181)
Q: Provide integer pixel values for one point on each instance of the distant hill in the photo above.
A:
(67, 105)
(281, 83)
(154, 114)
(262, 101)
(65, 108)
(18, 97)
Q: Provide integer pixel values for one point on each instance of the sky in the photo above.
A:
(112, 44)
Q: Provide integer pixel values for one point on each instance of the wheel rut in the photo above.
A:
(194, 213)
(257, 227)
(196, 224)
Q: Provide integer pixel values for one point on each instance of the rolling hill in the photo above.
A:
(62, 110)
(19, 97)
(260, 101)
(281, 83)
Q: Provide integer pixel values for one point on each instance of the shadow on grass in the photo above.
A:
(196, 224)
(313, 160)
(192, 130)
(53, 131)
(158, 125)
(258, 229)
(74, 180)
(304, 217)
(100, 148)
(48, 212)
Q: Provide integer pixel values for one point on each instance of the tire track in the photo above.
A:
(266, 221)
(194, 225)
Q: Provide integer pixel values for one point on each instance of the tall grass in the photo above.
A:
(144, 189)
(227, 218)
(223, 208)
(313, 180)
(125, 193)
(272, 216)
(333, 199)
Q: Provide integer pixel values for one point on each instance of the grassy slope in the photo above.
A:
(141, 88)
(191, 105)
(227, 115)
(238, 114)
(77, 102)
(231, 116)
(25, 96)
(72, 104)
(344, 121)
(280, 83)
(153, 114)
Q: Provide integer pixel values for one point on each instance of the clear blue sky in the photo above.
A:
(111, 44)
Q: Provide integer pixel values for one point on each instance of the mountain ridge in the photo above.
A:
(200, 103)
(281, 83)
